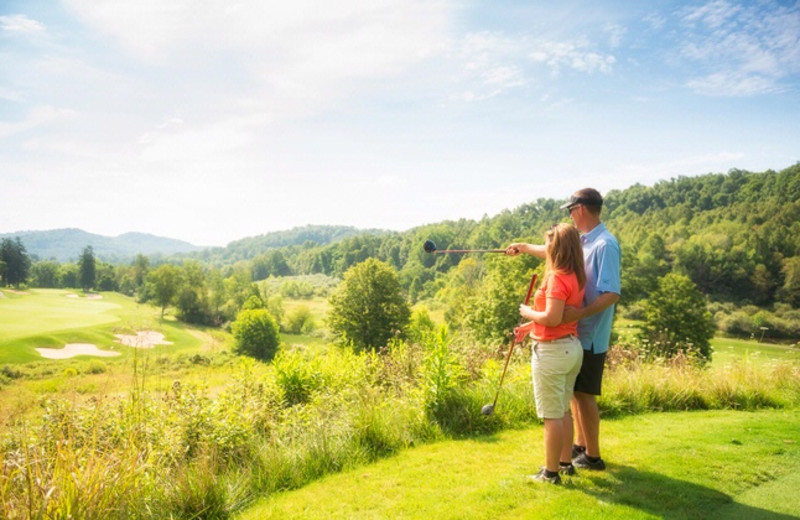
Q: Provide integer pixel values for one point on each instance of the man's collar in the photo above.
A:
(594, 233)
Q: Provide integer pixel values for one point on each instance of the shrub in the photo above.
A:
(296, 376)
(677, 320)
(256, 334)
(300, 321)
(95, 366)
(420, 326)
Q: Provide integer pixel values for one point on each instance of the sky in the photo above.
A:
(210, 121)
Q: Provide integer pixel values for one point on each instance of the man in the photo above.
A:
(601, 255)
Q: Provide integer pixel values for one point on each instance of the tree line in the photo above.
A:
(736, 236)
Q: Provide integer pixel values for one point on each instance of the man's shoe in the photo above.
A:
(582, 461)
(577, 450)
(542, 477)
(567, 469)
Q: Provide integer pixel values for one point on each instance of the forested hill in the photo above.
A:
(736, 235)
(65, 245)
(305, 236)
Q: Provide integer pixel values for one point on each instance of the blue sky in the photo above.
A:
(212, 121)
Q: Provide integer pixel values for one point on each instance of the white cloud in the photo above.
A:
(732, 84)
(746, 49)
(303, 52)
(577, 55)
(19, 23)
(615, 34)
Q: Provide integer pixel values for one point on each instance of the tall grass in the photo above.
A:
(197, 452)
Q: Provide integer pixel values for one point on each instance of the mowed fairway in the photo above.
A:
(53, 318)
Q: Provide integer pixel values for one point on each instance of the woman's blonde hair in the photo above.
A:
(564, 251)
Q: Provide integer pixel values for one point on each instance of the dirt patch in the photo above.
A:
(75, 349)
(143, 339)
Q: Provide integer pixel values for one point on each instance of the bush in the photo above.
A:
(256, 334)
(95, 366)
(677, 320)
(300, 321)
(298, 377)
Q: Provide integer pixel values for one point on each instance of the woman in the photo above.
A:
(557, 353)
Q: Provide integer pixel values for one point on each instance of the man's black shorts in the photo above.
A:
(590, 378)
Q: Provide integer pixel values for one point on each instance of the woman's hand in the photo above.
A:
(521, 332)
(526, 312)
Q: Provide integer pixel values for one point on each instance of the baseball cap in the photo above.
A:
(585, 197)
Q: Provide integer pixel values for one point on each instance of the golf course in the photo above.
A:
(717, 442)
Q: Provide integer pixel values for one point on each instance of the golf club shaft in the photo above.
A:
(513, 343)
(443, 251)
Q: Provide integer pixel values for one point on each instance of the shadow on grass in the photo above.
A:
(670, 498)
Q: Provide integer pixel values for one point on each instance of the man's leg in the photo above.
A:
(576, 415)
(589, 421)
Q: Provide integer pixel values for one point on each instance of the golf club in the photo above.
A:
(430, 247)
(488, 409)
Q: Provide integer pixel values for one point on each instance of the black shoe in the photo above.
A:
(567, 469)
(542, 477)
(577, 450)
(582, 461)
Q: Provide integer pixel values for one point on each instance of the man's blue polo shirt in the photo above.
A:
(601, 256)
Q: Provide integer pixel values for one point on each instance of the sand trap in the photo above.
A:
(88, 296)
(2, 295)
(143, 339)
(75, 349)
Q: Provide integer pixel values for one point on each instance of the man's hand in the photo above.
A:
(572, 314)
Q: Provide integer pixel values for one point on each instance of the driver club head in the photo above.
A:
(487, 409)
(429, 246)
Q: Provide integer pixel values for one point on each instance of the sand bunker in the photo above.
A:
(143, 339)
(75, 349)
(2, 295)
(88, 296)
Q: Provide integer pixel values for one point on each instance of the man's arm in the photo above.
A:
(516, 248)
(601, 303)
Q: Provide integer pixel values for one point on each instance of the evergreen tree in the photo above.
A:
(15, 263)
(87, 268)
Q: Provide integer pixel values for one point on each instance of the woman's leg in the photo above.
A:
(553, 441)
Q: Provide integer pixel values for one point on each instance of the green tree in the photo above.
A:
(790, 291)
(677, 319)
(256, 334)
(45, 274)
(68, 275)
(87, 268)
(15, 263)
(368, 308)
(163, 283)
(493, 311)
(141, 266)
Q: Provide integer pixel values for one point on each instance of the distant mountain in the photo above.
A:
(303, 236)
(66, 245)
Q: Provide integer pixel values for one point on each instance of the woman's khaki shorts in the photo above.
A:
(555, 365)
